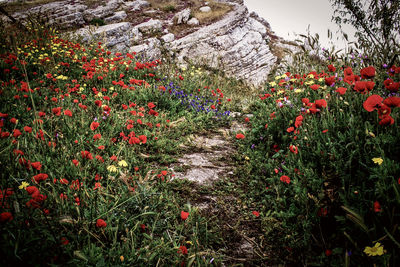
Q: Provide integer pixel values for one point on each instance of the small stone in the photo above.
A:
(193, 22)
(149, 26)
(137, 5)
(205, 9)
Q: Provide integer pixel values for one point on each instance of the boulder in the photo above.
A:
(150, 26)
(149, 49)
(168, 38)
(182, 17)
(117, 17)
(236, 44)
(193, 22)
(137, 5)
(205, 9)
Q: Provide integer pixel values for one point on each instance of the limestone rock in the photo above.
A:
(168, 37)
(136, 5)
(193, 22)
(149, 26)
(205, 9)
(237, 44)
(63, 13)
(100, 12)
(150, 49)
(182, 17)
(117, 17)
(113, 35)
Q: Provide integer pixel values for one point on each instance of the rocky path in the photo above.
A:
(209, 164)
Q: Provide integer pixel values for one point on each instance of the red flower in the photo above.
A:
(315, 87)
(68, 113)
(391, 85)
(393, 101)
(96, 137)
(386, 120)
(330, 80)
(16, 133)
(367, 73)
(294, 149)
(240, 136)
(94, 125)
(6, 216)
(341, 90)
(64, 241)
(331, 68)
(36, 165)
(86, 155)
(290, 129)
(182, 250)
(101, 223)
(27, 129)
(33, 191)
(285, 179)
(143, 139)
(184, 215)
(40, 177)
(56, 111)
(373, 102)
(328, 252)
(151, 105)
(256, 213)
(377, 207)
(321, 103)
(299, 121)
(348, 71)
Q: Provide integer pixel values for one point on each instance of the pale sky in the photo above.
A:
(288, 17)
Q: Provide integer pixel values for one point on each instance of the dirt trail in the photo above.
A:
(210, 165)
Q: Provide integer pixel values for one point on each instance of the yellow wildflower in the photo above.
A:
(298, 90)
(376, 250)
(122, 163)
(23, 185)
(377, 160)
(272, 83)
(310, 76)
(112, 168)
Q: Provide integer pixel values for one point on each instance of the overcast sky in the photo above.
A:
(288, 17)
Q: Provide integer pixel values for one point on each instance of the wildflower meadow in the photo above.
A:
(88, 137)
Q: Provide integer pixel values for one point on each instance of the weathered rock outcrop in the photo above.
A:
(239, 43)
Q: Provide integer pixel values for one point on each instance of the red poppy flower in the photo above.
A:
(331, 68)
(305, 101)
(294, 149)
(164, 173)
(373, 102)
(299, 121)
(184, 215)
(285, 179)
(101, 223)
(341, 90)
(328, 252)
(182, 250)
(391, 85)
(348, 71)
(143, 139)
(151, 105)
(64, 241)
(27, 129)
(377, 207)
(290, 129)
(40, 177)
(321, 103)
(36, 165)
(393, 101)
(315, 87)
(329, 80)
(367, 73)
(86, 155)
(96, 137)
(56, 111)
(6, 217)
(240, 136)
(68, 113)
(94, 125)
(386, 120)
(16, 133)
(33, 191)
(256, 213)
(75, 162)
